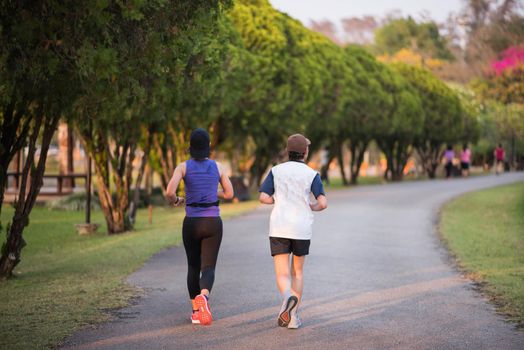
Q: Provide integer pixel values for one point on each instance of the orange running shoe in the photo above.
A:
(195, 317)
(203, 309)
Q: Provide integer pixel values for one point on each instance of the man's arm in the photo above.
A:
(265, 198)
(320, 205)
(317, 188)
(267, 189)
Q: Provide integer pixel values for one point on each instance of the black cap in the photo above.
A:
(199, 144)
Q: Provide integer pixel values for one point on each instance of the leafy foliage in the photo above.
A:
(405, 33)
(443, 116)
(141, 75)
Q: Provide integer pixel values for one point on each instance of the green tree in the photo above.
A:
(442, 114)
(471, 110)
(38, 83)
(509, 121)
(138, 63)
(327, 126)
(405, 33)
(403, 121)
(366, 107)
(197, 83)
(284, 80)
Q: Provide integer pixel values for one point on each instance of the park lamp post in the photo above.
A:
(88, 227)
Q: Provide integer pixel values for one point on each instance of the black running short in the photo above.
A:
(280, 245)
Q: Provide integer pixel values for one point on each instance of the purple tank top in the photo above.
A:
(201, 181)
(449, 155)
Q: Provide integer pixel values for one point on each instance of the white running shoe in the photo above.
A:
(295, 321)
(285, 314)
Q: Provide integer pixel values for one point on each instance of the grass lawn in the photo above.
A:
(66, 281)
(485, 231)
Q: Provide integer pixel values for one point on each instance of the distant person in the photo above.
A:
(449, 155)
(465, 160)
(289, 186)
(202, 227)
(500, 156)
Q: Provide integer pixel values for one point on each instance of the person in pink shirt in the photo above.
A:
(465, 160)
(499, 154)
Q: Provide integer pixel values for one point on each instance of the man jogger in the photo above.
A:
(288, 186)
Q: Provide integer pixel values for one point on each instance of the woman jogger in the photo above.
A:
(202, 227)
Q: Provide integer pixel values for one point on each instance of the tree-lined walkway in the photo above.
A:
(377, 278)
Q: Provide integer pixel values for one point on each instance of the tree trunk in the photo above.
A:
(435, 159)
(386, 172)
(70, 158)
(398, 170)
(121, 160)
(136, 195)
(258, 169)
(32, 180)
(13, 137)
(430, 155)
(64, 150)
(357, 157)
(324, 170)
(4, 164)
(166, 155)
(149, 191)
(397, 155)
(340, 158)
(164, 170)
(114, 210)
(113, 161)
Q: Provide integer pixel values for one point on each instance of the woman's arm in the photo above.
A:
(178, 174)
(321, 203)
(227, 191)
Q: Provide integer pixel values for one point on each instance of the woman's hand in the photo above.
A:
(171, 196)
(176, 200)
(227, 191)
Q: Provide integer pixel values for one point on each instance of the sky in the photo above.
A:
(334, 10)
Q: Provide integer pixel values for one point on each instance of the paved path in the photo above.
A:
(376, 278)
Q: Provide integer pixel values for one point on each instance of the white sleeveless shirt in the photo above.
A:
(291, 216)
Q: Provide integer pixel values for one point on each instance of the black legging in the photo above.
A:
(202, 237)
(449, 167)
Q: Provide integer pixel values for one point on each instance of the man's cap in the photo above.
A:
(297, 143)
(199, 144)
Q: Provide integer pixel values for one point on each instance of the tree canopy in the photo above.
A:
(405, 33)
(140, 76)
(443, 117)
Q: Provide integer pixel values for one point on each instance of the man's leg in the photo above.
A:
(282, 274)
(297, 282)
(289, 301)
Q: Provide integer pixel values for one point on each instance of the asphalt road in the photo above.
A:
(377, 277)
